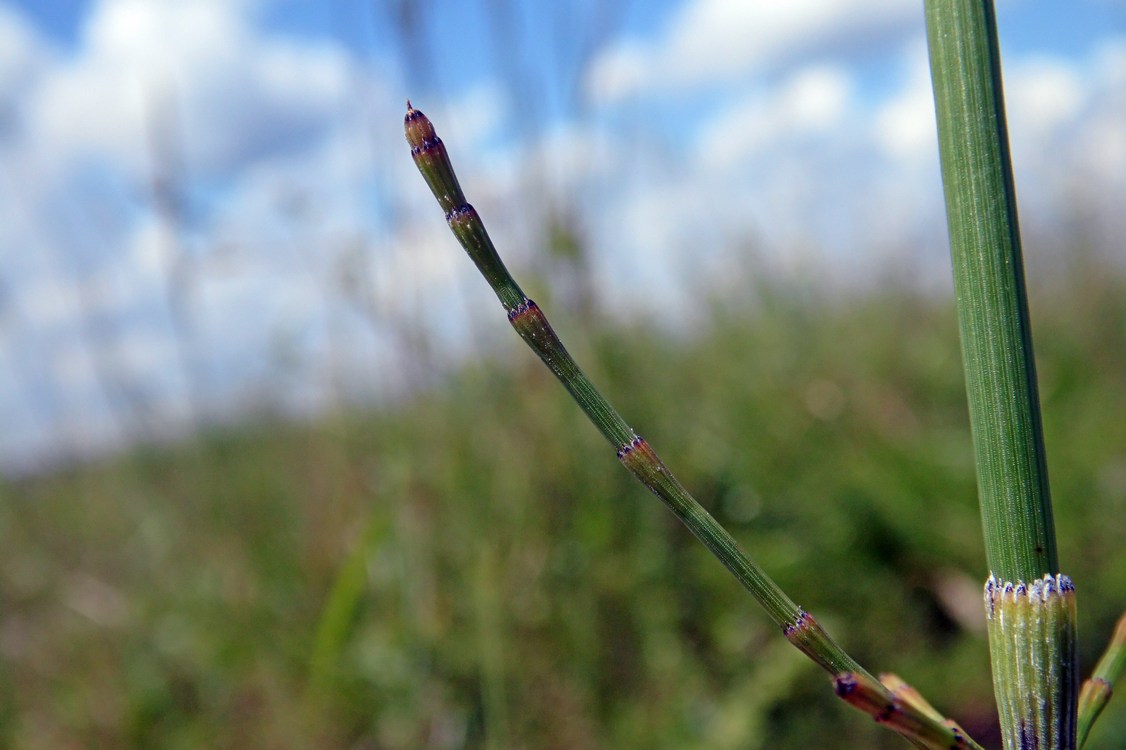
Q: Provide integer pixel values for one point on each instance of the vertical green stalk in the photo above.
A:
(981, 211)
(490, 649)
(1031, 623)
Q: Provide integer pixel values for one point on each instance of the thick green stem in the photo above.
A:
(1029, 605)
(981, 211)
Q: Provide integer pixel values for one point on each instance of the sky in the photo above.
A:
(207, 208)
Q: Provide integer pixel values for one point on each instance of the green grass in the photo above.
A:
(507, 584)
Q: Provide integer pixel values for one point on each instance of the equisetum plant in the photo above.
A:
(1029, 602)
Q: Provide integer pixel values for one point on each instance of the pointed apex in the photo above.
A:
(418, 129)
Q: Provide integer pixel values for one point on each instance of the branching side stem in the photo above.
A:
(920, 728)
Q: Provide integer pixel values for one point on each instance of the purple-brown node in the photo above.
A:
(802, 624)
(641, 459)
(527, 308)
(845, 684)
(463, 214)
(419, 130)
(866, 695)
(530, 322)
(629, 447)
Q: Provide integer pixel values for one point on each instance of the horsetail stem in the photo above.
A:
(531, 324)
(921, 728)
(1030, 605)
(902, 710)
(992, 301)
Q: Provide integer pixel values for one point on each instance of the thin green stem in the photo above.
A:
(529, 321)
(1097, 690)
(919, 727)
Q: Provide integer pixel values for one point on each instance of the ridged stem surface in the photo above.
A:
(989, 284)
(1036, 680)
(1032, 642)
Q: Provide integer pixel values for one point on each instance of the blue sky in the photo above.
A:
(207, 207)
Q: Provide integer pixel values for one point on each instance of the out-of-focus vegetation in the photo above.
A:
(473, 570)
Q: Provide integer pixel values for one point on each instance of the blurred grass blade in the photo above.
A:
(488, 622)
(340, 609)
(799, 627)
(1098, 689)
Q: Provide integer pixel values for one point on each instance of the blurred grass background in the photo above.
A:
(471, 569)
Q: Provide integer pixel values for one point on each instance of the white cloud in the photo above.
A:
(231, 95)
(477, 113)
(904, 124)
(817, 97)
(1042, 94)
(255, 114)
(47, 300)
(312, 228)
(709, 41)
(72, 368)
(23, 55)
(620, 71)
(813, 100)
